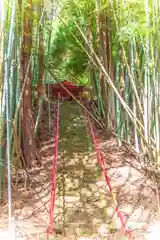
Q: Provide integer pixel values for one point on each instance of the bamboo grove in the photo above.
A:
(112, 46)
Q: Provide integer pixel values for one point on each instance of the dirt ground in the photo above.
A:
(84, 207)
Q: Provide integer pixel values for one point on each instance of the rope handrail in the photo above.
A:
(101, 161)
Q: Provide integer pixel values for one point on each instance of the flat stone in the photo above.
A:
(26, 212)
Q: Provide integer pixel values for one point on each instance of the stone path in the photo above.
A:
(84, 209)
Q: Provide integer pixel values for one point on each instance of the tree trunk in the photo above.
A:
(40, 83)
(28, 141)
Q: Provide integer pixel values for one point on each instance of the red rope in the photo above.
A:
(100, 158)
(53, 187)
(42, 205)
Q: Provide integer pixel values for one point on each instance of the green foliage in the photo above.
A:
(68, 58)
(127, 21)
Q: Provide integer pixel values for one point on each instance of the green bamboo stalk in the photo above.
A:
(146, 80)
(2, 145)
(35, 59)
(7, 67)
(155, 56)
(46, 73)
(127, 88)
(133, 59)
(2, 99)
(118, 107)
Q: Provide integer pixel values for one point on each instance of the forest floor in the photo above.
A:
(83, 209)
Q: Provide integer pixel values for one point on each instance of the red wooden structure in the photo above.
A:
(57, 89)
